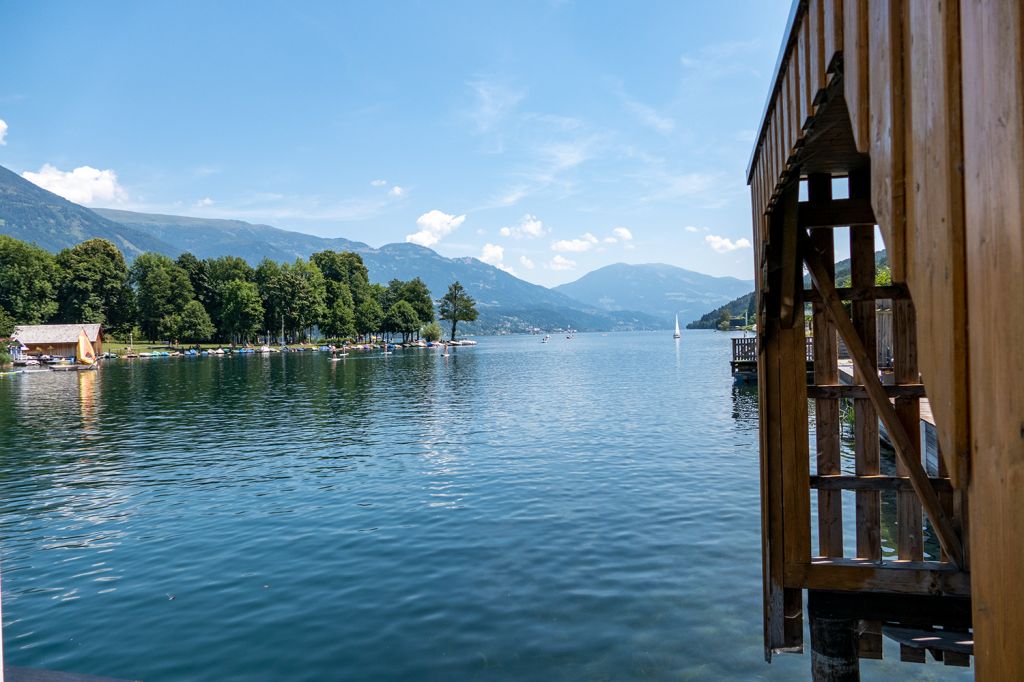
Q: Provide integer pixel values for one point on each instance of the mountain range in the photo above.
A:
(615, 297)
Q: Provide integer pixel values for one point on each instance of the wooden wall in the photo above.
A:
(934, 97)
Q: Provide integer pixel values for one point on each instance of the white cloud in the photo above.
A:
(693, 228)
(396, 191)
(724, 244)
(610, 240)
(650, 117)
(505, 268)
(562, 263)
(434, 225)
(205, 201)
(622, 233)
(378, 183)
(494, 102)
(83, 185)
(584, 243)
(492, 254)
(529, 226)
(3, 132)
(526, 263)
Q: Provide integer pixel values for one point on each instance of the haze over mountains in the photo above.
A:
(618, 296)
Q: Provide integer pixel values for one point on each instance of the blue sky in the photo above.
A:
(549, 138)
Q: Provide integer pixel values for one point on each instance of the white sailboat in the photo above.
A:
(677, 334)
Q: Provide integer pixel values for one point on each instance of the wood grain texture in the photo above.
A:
(936, 256)
(855, 71)
(886, 127)
(833, 29)
(992, 40)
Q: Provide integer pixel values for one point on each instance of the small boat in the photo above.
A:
(547, 337)
(677, 334)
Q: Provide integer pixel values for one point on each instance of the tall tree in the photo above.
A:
(27, 281)
(339, 314)
(199, 276)
(93, 284)
(241, 310)
(417, 294)
(221, 271)
(369, 317)
(190, 324)
(161, 289)
(457, 306)
(402, 318)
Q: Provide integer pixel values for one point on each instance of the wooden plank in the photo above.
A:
(876, 482)
(909, 541)
(776, 597)
(866, 436)
(799, 57)
(911, 655)
(936, 252)
(922, 640)
(815, 17)
(862, 361)
(833, 29)
(886, 127)
(850, 575)
(992, 35)
(855, 71)
(837, 213)
(791, 309)
(871, 293)
(826, 371)
(806, 83)
(793, 429)
(836, 391)
(870, 645)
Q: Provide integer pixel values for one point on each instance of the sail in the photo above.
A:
(677, 325)
(85, 355)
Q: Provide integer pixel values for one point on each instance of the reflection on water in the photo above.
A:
(518, 510)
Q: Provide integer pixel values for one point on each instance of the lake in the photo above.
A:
(581, 509)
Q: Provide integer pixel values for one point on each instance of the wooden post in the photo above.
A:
(833, 643)
(908, 509)
(866, 440)
(826, 372)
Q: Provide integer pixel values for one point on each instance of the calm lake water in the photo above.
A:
(583, 509)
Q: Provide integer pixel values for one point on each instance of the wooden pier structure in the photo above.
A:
(908, 115)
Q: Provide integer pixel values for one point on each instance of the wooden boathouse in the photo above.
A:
(57, 340)
(908, 115)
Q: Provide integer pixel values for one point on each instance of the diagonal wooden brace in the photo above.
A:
(951, 544)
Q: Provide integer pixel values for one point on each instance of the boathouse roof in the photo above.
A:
(55, 333)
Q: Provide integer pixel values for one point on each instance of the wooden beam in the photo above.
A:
(943, 640)
(878, 482)
(867, 450)
(909, 540)
(836, 213)
(893, 577)
(867, 293)
(836, 391)
(901, 440)
(791, 309)
(826, 371)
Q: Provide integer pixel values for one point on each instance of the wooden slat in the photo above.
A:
(866, 437)
(886, 127)
(791, 309)
(909, 541)
(833, 29)
(850, 575)
(877, 482)
(815, 17)
(936, 253)
(992, 35)
(826, 371)
(837, 213)
(835, 391)
(793, 417)
(855, 71)
(862, 362)
(871, 293)
(806, 83)
(943, 640)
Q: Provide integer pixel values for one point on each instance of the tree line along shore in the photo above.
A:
(188, 300)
